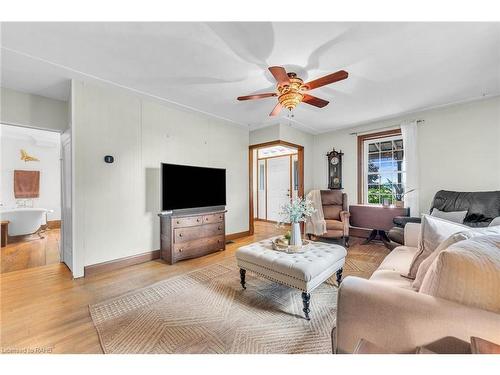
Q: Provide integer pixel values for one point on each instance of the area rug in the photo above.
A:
(207, 311)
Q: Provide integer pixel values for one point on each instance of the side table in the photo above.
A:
(377, 218)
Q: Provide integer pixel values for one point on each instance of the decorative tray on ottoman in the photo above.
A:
(281, 244)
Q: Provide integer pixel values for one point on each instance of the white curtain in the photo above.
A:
(410, 165)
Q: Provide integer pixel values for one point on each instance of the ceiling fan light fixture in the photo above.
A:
(292, 90)
(290, 95)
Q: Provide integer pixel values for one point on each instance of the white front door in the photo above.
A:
(278, 185)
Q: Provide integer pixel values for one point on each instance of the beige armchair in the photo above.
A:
(334, 204)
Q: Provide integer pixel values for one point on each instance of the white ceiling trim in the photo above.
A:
(410, 113)
(123, 87)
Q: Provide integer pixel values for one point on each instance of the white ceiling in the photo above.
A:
(394, 68)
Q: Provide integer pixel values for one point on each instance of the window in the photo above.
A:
(262, 177)
(295, 175)
(383, 174)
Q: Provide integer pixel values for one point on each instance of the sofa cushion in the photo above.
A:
(426, 263)
(433, 231)
(332, 212)
(392, 278)
(495, 222)
(468, 272)
(334, 225)
(454, 238)
(398, 260)
(453, 216)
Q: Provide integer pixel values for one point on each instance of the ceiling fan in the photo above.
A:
(291, 90)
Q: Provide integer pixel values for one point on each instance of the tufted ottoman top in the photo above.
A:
(304, 265)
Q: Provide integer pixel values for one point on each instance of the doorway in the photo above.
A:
(276, 175)
(30, 198)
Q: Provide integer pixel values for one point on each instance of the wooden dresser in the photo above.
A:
(191, 235)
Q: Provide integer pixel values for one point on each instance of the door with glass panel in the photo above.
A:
(278, 185)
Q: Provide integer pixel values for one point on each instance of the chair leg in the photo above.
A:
(346, 241)
(338, 274)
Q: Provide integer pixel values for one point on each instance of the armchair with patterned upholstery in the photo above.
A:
(336, 214)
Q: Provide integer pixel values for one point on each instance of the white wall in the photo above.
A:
(116, 205)
(267, 134)
(44, 145)
(33, 111)
(459, 149)
(292, 135)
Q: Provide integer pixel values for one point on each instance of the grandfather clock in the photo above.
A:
(335, 169)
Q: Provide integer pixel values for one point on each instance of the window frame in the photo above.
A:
(362, 157)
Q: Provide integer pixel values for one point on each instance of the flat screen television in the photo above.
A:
(186, 186)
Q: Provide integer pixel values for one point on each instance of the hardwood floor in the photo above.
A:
(44, 309)
(31, 251)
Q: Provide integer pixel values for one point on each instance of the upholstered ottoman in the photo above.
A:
(304, 270)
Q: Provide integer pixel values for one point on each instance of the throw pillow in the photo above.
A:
(433, 231)
(454, 216)
(454, 238)
(468, 272)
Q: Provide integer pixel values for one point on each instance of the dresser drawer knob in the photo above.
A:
(219, 227)
(180, 234)
(180, 250)
(197, 220)
(178, 222)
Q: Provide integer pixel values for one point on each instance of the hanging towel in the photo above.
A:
(316, 223)
(26, 184)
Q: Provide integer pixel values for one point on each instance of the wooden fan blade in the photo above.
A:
(326, 80)
(257, 96)
(312, 100)
(279, 73)
(276, 110)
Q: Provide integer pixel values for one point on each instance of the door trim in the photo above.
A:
(251, 148)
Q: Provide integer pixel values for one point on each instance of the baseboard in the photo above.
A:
(234, 236)
(112, 265)
(271, 222)
(54, 224)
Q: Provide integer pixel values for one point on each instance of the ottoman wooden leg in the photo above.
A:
(339, 276)
(306, 297)
(242, 277)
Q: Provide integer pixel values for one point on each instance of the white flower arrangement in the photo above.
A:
(297, 210)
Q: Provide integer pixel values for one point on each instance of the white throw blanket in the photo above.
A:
(316, 224)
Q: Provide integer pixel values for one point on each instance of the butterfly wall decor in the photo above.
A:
(26, 157)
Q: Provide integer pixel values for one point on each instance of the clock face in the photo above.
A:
(334, 160)
(336, 180)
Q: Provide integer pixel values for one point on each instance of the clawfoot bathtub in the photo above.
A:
(23, 221)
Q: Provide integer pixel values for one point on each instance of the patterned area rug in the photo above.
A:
(206, 311)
